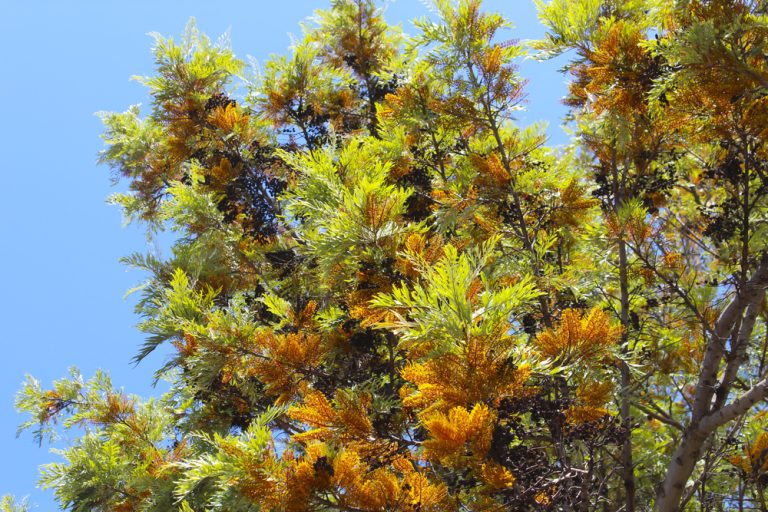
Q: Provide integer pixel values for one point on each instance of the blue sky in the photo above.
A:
(61, 301)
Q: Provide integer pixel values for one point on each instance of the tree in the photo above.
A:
(386, 295)
(8, 504)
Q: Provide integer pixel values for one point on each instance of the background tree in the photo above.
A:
(672, 84)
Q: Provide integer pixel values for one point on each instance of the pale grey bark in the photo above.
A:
(707, 416)
(738, 355)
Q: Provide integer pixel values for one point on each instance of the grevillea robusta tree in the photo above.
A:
(385, 294)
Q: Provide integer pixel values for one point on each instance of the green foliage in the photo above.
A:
(9, 504)
(569, 24)
(443, 311)
(194, 65)
(228, 458)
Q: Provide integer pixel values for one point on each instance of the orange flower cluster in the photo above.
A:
(459, 380)
(287, 359)
(452, 434)
(348, 421)
(617, 76)
(349, 482)
(579, 337)
(591, 398)
(754, 460)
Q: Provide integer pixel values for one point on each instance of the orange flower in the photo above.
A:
(579, 337)
(228, 118)
(451, 434)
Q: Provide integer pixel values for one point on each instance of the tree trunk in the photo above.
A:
(679, 471)
(627, 464)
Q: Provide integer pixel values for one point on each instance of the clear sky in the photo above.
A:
(61, 285)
